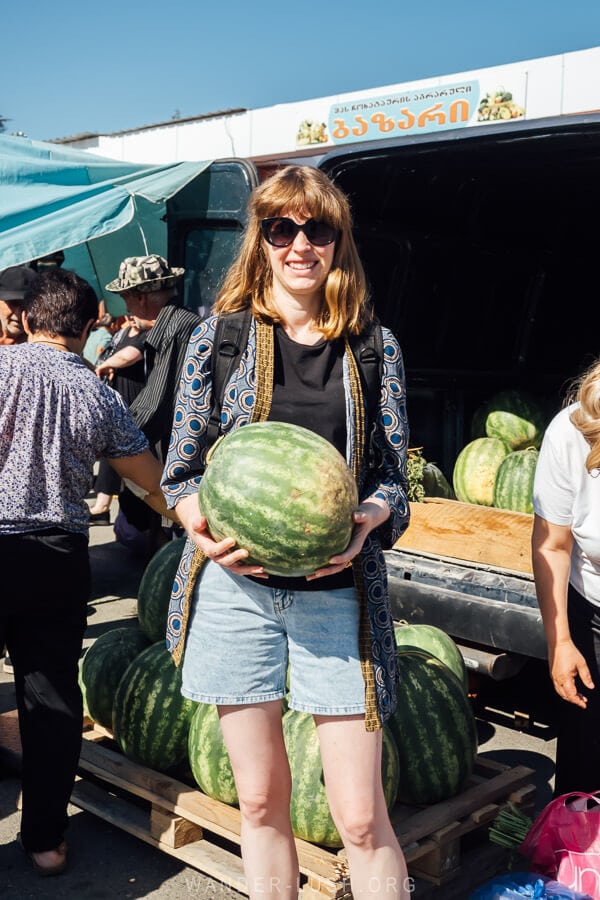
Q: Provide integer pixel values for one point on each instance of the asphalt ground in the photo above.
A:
(106, 862)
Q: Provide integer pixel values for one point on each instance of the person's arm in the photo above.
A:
(127, 356)
(145, 471)
(551, 555)
(183, 473)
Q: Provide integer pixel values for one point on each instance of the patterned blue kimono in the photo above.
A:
(186, 460)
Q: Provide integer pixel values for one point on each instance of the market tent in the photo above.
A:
(97, 210)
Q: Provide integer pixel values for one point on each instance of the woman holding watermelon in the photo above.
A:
(299, 273)
(566, 565)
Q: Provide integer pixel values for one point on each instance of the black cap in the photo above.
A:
(14, 282)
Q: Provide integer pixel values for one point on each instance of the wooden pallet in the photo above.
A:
(203, 833)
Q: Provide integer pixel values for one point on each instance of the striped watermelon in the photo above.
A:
(517, 432)
(433, 640)
(151, 718)
(154, 593)
(208, 756)
(103, 665)
(475, 470)
(309, 810)
(434, 729)
(514, 482)
(283, 492)
(520, 423)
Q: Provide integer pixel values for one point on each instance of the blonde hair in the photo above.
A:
(586, 418)
(300, 191)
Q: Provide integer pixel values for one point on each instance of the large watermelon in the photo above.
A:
(103, 665)
(514, 482)
(433, 640)
(475, 470)
(309, 810)
(434, 729)
(513, 416)
(151, 718)
(283, 492)
(208, 756)
(154, 593)
(517, 432)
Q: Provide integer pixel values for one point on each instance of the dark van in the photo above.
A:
(480, 248)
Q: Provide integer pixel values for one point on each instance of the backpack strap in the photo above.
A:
(367, 348)
(231, 339)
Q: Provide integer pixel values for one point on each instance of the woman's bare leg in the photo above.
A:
(352, 769)
(254, 739)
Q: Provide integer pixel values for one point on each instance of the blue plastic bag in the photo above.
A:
(520, 885)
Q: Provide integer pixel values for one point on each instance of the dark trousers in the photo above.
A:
(45, 578)
(107, 480)
(578, 743)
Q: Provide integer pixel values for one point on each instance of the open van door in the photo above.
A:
(206, 220)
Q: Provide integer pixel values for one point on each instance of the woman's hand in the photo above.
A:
(566, 663)
(370, 515)
(224, 552)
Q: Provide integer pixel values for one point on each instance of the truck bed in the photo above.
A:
(467, 569)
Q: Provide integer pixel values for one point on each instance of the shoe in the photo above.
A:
(7, 665)
(47, 862)
(101, 518)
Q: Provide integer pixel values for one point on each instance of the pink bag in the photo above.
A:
(564, 842)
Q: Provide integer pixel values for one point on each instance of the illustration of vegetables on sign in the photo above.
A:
(498, 106)
(310, 132)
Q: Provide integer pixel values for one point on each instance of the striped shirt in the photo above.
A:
(56, 419)
(164, 354)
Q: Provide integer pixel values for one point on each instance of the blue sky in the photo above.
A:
(72, 67)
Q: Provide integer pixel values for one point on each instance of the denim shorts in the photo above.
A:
(241, 636)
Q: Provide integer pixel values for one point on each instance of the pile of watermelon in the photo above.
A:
(132, 688)
(497, 467)
(129, 682)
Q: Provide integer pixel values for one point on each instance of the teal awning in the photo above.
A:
(54, 198)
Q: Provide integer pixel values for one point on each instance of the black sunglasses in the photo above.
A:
(281, 231)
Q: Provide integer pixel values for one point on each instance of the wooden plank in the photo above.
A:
(440, 865)
(177, 797)
(172, 830)
(493, 537)
(432, 818)
(206, 857)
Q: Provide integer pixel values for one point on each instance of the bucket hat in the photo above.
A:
(144, 273)
(14, 282)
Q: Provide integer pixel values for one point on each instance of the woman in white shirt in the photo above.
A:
(566, 566)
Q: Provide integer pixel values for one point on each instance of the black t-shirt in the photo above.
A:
(308, 390)
(308, 387)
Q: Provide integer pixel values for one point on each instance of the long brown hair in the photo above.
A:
(299, 190)
(586, 418)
